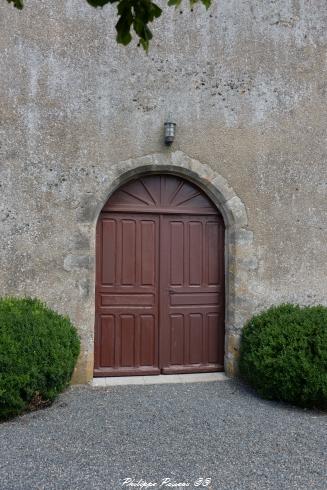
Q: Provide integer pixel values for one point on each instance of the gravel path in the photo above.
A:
(93, 438)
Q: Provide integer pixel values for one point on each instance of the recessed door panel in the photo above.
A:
(107, 332)
(148, 340)
(177, 341)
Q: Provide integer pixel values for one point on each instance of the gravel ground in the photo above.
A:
(93, 438)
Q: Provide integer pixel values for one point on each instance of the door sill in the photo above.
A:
(142, 371)
(161, 379)
(192, 369)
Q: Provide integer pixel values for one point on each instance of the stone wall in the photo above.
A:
(246, 84)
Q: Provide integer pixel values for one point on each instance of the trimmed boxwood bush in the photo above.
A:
(38, 352)
(283, 354)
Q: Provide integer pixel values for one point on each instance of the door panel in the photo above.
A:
(127, 295)
(192, 295)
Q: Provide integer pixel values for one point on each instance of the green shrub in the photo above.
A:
(283, 354)
(38, 352)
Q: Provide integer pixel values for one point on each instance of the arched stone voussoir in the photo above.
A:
(214, 184)
(236, 212)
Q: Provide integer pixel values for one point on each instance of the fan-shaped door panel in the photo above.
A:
(160, 194)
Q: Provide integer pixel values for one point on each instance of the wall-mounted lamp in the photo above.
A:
(170, 128)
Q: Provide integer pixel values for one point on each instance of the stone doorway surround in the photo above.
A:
(238, 246)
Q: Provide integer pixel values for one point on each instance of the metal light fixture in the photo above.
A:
(170, 128)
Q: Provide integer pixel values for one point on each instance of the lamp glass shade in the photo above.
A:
(169, 132)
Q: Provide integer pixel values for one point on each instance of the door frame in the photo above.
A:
(240, 259)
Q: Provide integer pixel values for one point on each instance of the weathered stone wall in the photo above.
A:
(246, 84)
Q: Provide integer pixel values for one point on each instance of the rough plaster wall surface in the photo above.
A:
(246, 84)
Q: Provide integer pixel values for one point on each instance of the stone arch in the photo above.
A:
(239, 258)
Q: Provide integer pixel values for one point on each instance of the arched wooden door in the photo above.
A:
(159, 280)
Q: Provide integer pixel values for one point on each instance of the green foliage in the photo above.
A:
(17, 3)
(133, 15)
(284, 354)
(38, 352)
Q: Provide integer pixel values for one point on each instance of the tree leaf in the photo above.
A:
(175, 3)
(206, 3)
(156, 10)
(97, 3)
(144, 44)
(17, 3)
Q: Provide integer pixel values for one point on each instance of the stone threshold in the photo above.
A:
(160, 379)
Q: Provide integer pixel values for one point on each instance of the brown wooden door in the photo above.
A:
(159, 280)
(126, 334)
(192, 294)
